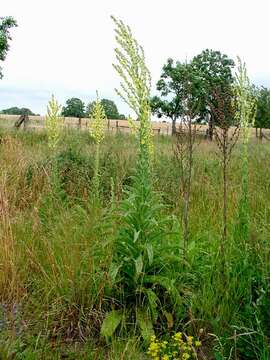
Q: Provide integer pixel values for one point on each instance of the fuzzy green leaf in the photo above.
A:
(150, 253)
(110, 323)
(139, 265)
(145, 324)
(113, 271)
(167, 284)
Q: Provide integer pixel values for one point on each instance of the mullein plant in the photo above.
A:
(140, 289)
(246, 111)
(97, 132)
(53, 126)
(53, 123)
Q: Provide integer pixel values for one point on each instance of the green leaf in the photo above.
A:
(145, 324)
(110, 323)
(136, 235)
(153, 301)
(169, 319)
(113, 271)
(139, 265)
(150, 253)
(167, 284)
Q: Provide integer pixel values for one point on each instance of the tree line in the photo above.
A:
(74, 107)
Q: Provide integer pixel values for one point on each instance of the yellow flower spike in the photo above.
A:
(53, 122)
(97, 123)
(136, 85)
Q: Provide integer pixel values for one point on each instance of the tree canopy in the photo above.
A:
(215, 71)
(6, 23)
(109, 107)
(197, 80)
(262, 118)
(74, 108)
(17, 111)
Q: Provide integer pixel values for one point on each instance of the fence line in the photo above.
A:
(37, 123)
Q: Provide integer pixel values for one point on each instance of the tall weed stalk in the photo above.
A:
(97, 130)
(246, 118)
(184, 147)
(224, 110)
(56, 194)
(53, 124)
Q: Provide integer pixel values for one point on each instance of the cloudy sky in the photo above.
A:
(66, 47)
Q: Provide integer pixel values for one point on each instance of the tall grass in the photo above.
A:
(58, 271)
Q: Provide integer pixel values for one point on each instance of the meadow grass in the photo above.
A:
(56, 252)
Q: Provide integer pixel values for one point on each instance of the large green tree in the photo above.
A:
(262, 118)
(6, 23)
(74, 108)
(170, 86)
(215, 71)
(109, 107)
(207, 72)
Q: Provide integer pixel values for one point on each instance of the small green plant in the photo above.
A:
(97, 131)
(178, 347)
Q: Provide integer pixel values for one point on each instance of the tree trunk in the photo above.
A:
(173, 126)
(261, 134)
(211, 127)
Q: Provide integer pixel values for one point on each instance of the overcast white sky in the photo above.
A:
(66, 47)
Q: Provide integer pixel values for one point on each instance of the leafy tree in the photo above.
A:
(74, 108)
(109, 107)
(215, 71)
(17, 111)
(203, 75)
(6, 23)
(262, 118)
(170, 86)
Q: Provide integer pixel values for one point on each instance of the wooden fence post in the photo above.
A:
(117, 126)
(26, 122)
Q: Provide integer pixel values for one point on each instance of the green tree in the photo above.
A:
(215, 71)
(170, 85)
(262, 118)
(6, 23)
(74, 108)
(109, 107)
(17, 111)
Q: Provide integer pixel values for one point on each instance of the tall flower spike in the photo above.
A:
(53, 122)
(246, 101)
(136, 82)
(98, 117)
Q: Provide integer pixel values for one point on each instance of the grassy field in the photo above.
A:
(56, 250)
